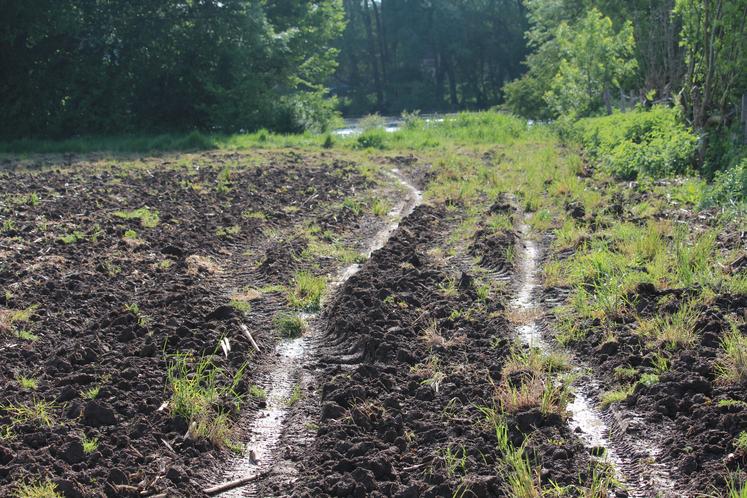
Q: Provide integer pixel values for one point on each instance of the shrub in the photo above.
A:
(729, 186)
(371, 122)
(374, 139)
(653, 143)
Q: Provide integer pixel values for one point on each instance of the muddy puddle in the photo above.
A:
(283, 382)
(634, 461)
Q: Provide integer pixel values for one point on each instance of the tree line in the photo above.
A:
(588, 56)
(122, 66)
(71, 67)
(432, 55)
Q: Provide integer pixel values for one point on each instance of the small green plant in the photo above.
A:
(36, 489)
(660, 363)
(223, 182)
(455, 461)
(89, 444)
(199, 389)
(731, 366)
(254, 215)
(130, 234)
(27, 382)
(133, 308)
(735, 485)
(165, 264)
(27, 335)
(328, 142)
(380, 207)
(615, 396)
(290, 325)
(449, 287)
(295, 396)
(37, 411)
(625, 373)
(648, 379)
(148, 218)
(111, 269)
(72, 238)
(740, 442)
(307, 291)
(240, 306)
(353, 206)
(9, 318)
(673, 331)
(226, 232)
(257, 392)
(729, 403)
(91, 393)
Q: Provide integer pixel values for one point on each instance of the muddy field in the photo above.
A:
(95, 305)
(361, 334)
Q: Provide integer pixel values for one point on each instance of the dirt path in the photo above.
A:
(634, 459)
(398, 393)
(286, 377)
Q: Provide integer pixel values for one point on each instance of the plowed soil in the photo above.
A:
(100, 366)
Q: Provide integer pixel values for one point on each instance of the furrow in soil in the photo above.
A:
(605, 432)
(285, 380)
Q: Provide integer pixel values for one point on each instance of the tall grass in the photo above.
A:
(731, 367)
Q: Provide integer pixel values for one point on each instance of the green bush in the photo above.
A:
(729, 186)
(651, 143)
(374, 138)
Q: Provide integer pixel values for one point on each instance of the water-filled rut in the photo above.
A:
(633, 459)
(292, 355)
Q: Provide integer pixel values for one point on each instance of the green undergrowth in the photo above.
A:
(657, 144)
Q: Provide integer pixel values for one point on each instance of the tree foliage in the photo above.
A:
(428, 55)
(105, 66)
(714, 35)
(594, 60)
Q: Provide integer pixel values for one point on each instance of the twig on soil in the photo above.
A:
(220, 488)
(313, 196)
(245, 329)
(416, 467)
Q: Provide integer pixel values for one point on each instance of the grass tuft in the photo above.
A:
(36, 489)
(731, 366)
(27, 382)
(290, 325)
(199, 391)
(89, 445)
(148, 218)
(307, 291)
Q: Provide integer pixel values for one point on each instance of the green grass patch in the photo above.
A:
(36, 489)
(289, 325)
(198, 391)
(149, 218)
(307, 291)
(27, 382)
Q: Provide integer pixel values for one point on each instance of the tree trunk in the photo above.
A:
(452, 83)
(382, 42)
(607, 100)
(374, 60)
